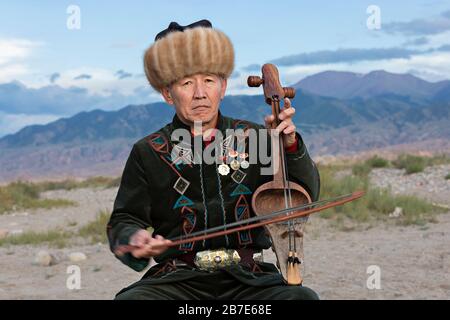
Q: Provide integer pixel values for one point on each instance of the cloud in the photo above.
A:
(235, 74)
(349, 56)
(417, 42)
(13, 55)
(252, 67)
(16, 98)
(54, 77)
(83, 77)
(16, 49)
(345, 55)
(21, 105)
(122, 74)
(420, 27)
(11, 123)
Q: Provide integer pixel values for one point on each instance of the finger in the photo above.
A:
(286, 113)
(287, 103)
(283, 125)
(289, 130)
(268, 120)
(136, 240)
(141, 252)
(140, 238)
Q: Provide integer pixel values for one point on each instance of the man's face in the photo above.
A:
(196, 97)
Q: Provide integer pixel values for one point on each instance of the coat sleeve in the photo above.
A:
(303, 170)
(132, 208)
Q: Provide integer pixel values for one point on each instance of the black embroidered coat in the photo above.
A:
(153, 193)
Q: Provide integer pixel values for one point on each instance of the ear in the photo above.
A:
(224, 87)
(166, 95)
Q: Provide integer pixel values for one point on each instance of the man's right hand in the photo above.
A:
(146, 246)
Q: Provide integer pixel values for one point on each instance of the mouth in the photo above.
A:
(200, 107)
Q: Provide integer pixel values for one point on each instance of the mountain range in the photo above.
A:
(337, 113)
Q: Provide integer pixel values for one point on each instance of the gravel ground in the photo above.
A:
(414, 261)
(429, 184)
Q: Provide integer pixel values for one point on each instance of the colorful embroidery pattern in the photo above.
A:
(242, 212)
(183, 201)
(240, 189)
(158, 142)
(189, 222)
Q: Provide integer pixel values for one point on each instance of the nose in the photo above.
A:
(199, 92)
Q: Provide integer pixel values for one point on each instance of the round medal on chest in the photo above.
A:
(235, 165)
(245, 164)
(224, 169)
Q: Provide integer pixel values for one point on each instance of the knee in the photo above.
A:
(138, 294)
(124, 295)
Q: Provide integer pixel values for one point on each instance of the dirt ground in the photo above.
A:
(414, 261)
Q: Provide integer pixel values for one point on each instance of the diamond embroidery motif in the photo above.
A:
(183, 153)
(238, 176)
(181, 185)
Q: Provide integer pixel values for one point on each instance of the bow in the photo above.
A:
(255, 222)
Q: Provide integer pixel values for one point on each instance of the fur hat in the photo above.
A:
(182, 51)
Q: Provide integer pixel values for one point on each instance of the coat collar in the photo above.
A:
(177, 123)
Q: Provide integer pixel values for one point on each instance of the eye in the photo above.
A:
(185, 84)
(209, 80)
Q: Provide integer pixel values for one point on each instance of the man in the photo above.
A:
(176, 195)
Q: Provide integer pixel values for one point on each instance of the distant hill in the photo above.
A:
(314, 113)
(346, 85)
(383, 110)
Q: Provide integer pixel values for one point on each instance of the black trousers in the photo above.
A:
(213, 286)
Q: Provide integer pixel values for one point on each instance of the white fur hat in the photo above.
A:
(182, 51)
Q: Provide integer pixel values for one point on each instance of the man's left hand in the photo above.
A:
(286, 126)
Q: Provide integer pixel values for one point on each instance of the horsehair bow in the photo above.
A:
(255, 222)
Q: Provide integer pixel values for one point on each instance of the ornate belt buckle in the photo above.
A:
(212, 260)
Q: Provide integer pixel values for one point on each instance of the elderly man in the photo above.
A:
(174, 195)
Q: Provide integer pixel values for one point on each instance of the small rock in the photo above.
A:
(398, 212)
(45, 259)
(96, 269)
(77, 256)
(3, 233)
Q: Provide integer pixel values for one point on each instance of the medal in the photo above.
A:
(245, 164)
(232, 153)
(224, 169)
(235, 165)
(243, 155)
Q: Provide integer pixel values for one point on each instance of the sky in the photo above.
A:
(58, 58)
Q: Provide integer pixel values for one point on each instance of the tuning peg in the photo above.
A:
(254, 81)
(289, 92)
